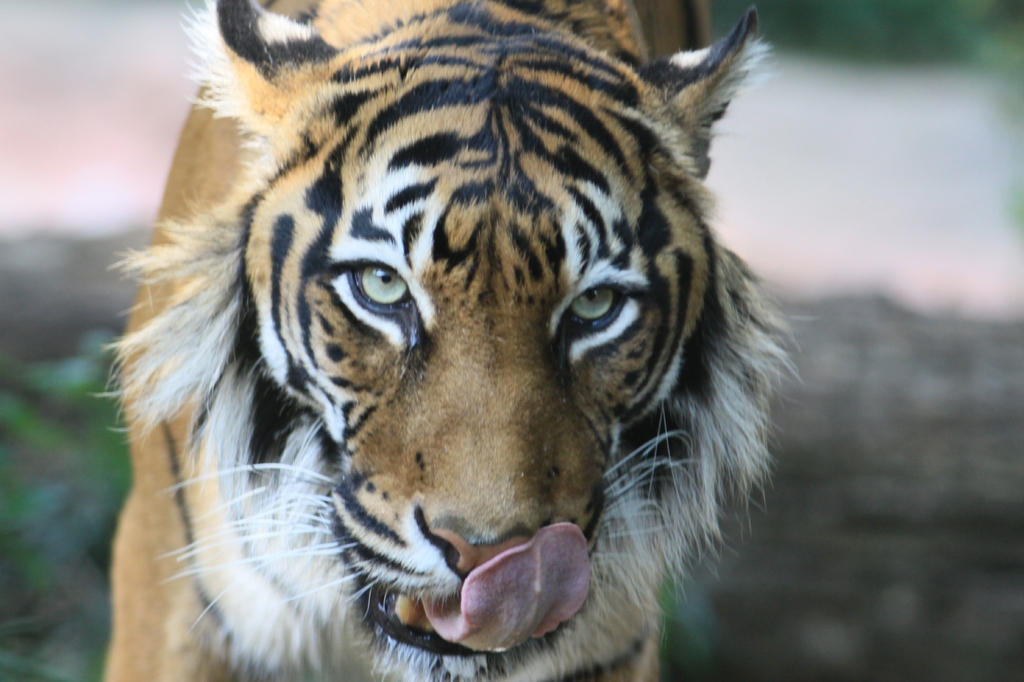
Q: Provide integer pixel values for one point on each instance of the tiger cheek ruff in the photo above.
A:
(439, 369)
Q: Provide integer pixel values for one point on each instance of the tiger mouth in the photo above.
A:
(402, 618)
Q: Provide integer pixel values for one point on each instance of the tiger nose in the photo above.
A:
(464, 556)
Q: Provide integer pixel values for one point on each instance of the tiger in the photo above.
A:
(437, 368)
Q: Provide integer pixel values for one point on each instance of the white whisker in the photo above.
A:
(214, 601)
(324, 548)
(230, 503)
(333, 583)
(250, 468)
(202, 546)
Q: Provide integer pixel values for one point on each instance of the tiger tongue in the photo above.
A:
(527, 590)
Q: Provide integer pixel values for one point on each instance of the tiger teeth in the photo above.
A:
(405, 609)
(412, 614)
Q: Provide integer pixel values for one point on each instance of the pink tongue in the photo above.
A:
(527, 590)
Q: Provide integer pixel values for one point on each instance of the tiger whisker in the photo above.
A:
(643, 473)
(339, 581)
(646, 447)
(249, 468)
(214, 601)
(328, 548)
(282, 508)
(356, 595)
(226, 505)
(662, 422)
(205, 542)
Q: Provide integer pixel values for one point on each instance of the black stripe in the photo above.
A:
(429, 96)
(362, 552)
(584, 244)
(345, 107)
(442, 251)
(410, 231)
(695, 375)
(596, 505)
(477, 16)
(275, 416)
(361, 516)
(329, 449)
(517, 89)
(595, 218)
(610, 347)
(667, 337)
(410, 194)
(614, 87)
(186, 520)
(280, 245)
(568, 162)
(537, 44)
(546, 123)
(239, 26)
(555, 252)
(350, 317)
(447, 549)
(325, 197)
(352, 428)
(179, 490)
(364, 228)
(429, 151)
(525, 250)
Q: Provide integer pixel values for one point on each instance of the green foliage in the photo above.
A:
(690, 644)
(64, 473)
(898, 30)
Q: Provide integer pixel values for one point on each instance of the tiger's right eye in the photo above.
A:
(383, 285)
(594, 304)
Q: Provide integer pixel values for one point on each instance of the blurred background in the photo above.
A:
(875, 179)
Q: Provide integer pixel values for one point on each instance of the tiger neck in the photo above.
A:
(608, 25)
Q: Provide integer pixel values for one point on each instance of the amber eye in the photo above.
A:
(383, 285)
(594, 304)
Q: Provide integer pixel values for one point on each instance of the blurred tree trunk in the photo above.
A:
(673, 25)
(891, 547)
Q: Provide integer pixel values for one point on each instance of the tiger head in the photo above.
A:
(464, 361)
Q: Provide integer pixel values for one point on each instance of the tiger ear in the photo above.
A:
(698, 85)
(255, 62)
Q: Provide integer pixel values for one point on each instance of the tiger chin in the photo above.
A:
(438, 368)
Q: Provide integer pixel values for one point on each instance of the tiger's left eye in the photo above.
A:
(383, 285)
(594, 304)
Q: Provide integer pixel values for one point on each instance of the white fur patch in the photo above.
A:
(276, 28)
(390, 329)
(629, 313)
(690, 58)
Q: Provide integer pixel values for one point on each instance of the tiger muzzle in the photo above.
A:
(525, 591)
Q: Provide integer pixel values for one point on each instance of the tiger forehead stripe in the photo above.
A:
(547, 126)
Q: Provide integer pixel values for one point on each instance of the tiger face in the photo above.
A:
(467, 364)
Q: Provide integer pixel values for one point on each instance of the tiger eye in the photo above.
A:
(594, 304)
(383, 285)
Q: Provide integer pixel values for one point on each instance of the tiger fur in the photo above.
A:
(308, 454)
